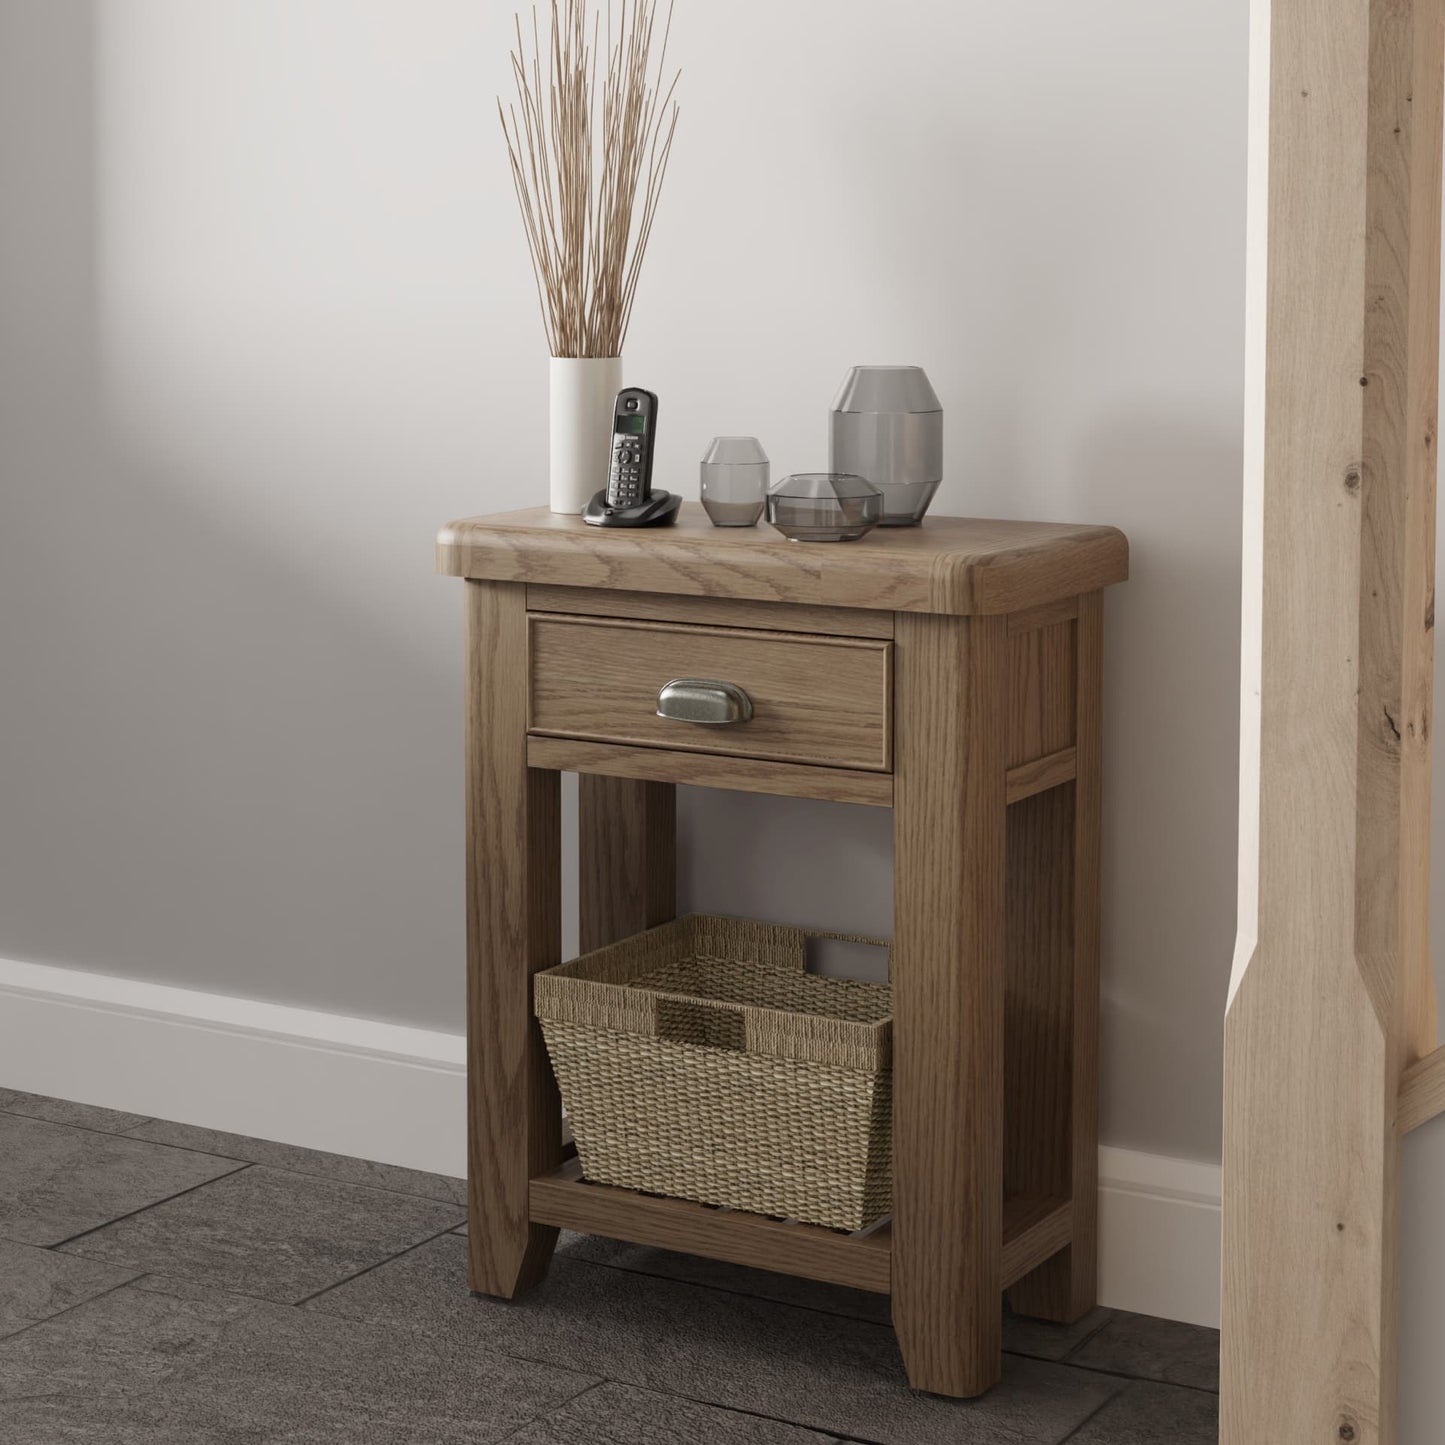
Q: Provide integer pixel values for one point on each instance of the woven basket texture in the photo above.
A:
(699, 1060)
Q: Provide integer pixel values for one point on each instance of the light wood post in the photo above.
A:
(627, 857)
(514, 1124)
(948, 998)
(1417, 443)
(1330, 993)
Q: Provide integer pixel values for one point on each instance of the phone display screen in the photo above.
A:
(631, 425)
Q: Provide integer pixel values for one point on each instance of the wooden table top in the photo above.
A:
(956, 565)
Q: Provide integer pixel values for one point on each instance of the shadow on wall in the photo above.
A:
(215, 771)
(1171, 762)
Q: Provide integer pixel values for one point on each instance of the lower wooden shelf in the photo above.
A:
(1034, 1230)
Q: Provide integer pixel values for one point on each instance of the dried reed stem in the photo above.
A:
(588, 161)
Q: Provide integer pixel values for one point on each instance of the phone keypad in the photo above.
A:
(624, 480)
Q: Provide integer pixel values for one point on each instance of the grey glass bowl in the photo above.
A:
(887, 425)
(824, 507)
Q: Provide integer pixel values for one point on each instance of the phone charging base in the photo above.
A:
(657, 510)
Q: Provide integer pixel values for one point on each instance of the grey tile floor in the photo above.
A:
(166, 1285)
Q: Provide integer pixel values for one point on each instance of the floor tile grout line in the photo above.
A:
(756, 1415)
(139, 1283)
(135, 1139)
(1092, 1335)
(761, 1415)
(131, 1213)
(292, 1169)
(60, 1314)
(377, 1264)
(332, 1179)
(596, 1382)
(1092, 1415)
(1139, 1379)
(130, 1134)
(91, 1129)
(824, 1430)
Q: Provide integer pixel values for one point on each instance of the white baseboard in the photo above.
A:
(396, 1094)
(352, 1086)
(1159, 1246)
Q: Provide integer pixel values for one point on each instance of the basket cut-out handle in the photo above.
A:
(701, 1021)
(810, 935)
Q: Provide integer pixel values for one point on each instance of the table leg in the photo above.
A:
(514, 1116)
(1053, 1012)
(627, 857)
(948, 999)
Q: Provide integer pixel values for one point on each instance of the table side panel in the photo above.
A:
(1039, 997)
(1042, 692)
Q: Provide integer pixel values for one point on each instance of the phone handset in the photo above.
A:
(628, 500)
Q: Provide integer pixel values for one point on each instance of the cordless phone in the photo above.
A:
(634, 433)
(628, 499)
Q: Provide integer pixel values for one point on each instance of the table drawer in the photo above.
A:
(818, 700)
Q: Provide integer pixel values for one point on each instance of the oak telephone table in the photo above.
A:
(950, 671)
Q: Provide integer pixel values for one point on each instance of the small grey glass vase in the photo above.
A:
(733, 480)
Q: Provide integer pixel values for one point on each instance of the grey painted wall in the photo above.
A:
(266, 320)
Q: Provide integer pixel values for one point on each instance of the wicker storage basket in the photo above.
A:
(699, 1060)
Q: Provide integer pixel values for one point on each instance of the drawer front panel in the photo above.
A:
(817, 700)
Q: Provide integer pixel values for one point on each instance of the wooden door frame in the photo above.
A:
(1330, 1047)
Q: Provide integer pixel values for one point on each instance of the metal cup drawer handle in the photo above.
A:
(700, 700)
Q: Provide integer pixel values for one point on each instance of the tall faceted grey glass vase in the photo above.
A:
(887, 426)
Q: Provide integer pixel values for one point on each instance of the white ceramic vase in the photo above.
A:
(583, 391)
